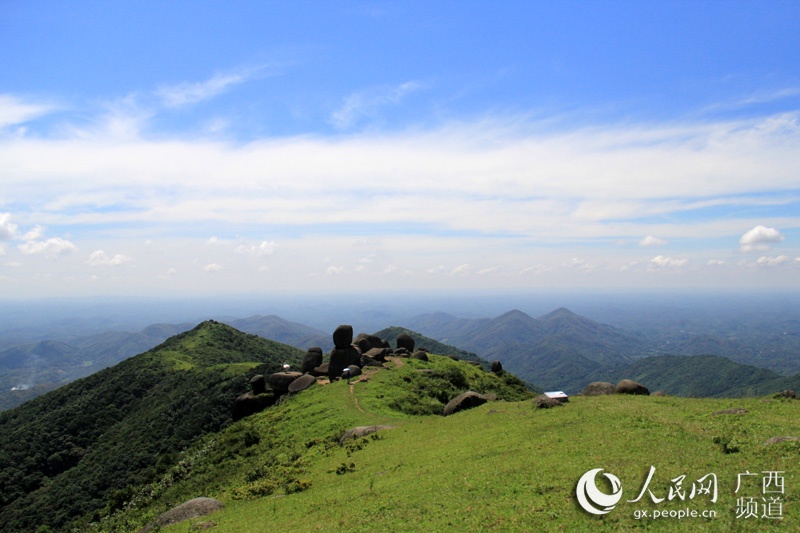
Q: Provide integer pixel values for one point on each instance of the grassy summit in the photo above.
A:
(502, 466)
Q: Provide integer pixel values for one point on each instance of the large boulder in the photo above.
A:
(343, 336)
(598, 388)
(259, 384)
(628, 386)
(321, 370)
(312, 359)
(421, 355)
(497, 367)
(302, 383)
(404, 340)
(280, 381)
(465, 400)
(379, 354)
(341, 358)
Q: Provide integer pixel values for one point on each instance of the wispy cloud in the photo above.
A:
(369, 102)
(15, 110)
(189, 93)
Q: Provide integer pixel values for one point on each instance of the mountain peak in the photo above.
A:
(560, 313)
(515, 314)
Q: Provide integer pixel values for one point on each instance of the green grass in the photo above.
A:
(504, 466)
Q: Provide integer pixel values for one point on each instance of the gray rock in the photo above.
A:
(280, 381)
(302, 383)
(628, 386)
(341, 358)
(404, 340)
(465, 400)
(343, 336)
(311, 360)
(259, 384)
(419, 354)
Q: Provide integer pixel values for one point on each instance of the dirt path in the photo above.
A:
(367, 374)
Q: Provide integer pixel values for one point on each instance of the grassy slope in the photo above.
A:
(501, 466)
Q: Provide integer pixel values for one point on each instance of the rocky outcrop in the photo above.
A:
(628, 386)
(497, 367)
(280, 381)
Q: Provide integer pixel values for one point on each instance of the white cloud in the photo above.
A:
(7, 229)
(391, 269)
(213, 267)
(773, 261)
(50, 247)
(367, 103)
(579, 264)
(169, 273)
(489, 270)
(716, 262)
(34, 234)
(661, 261)
(14, 110)
(334, 270)
(100, 258)
(759, 239)
(257, 250)
(652, 241)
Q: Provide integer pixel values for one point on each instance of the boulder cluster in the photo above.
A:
(626, 386)
(347, 359)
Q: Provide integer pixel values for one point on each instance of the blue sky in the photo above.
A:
(227, 147)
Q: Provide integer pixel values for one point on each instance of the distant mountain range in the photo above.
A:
(560, 350)
(565, 351)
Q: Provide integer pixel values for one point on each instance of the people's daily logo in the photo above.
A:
(592, 499)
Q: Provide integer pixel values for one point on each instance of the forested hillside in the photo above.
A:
(81, 448)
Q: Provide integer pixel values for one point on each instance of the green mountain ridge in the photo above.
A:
(70, 452)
